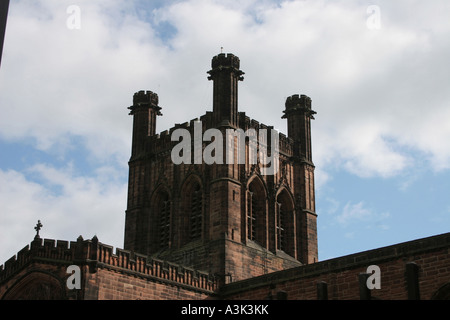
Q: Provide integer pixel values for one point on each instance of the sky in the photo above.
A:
(377, 73)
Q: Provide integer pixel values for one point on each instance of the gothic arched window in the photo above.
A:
(256, 212)
(163, 220)
(196, 216)
(191, 211)
(281, 226)
(285, 223)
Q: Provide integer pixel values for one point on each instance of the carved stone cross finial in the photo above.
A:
(37, 228)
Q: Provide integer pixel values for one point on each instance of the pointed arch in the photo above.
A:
(443, 293)
(256, 211)
(191, 209)
(285, 222)
(161, 218)
(36, 285)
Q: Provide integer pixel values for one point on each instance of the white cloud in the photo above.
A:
(67, 204)
(381, 95)
(362, 82)
(357, 213)
(56, 81)
(332, 206)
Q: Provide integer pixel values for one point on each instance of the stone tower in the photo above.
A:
(298, 113)
(229, 218)
(225, 74)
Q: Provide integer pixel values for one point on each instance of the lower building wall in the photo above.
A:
(418, 269)
(340, 276)
(87, 269)
(41, 281)
(229, 260)
(112, 285)
(248, 261)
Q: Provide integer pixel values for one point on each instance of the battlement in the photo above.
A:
(141, 265)
(286, 144)
(147, 99)
(97, 255)
(298, 103)
(61, 251)
(162, 142)
(225, 62)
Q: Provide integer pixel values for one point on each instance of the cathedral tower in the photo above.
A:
(228, 218)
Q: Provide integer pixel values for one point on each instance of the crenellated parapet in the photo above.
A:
(145, 99)
(228, 62)
(297, 103)
(96, 255)
(162, 143)
(40, 249)
(285, 143)
(145, 266)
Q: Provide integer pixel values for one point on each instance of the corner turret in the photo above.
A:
(298, 113)
(144, 111)
(226, 74)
